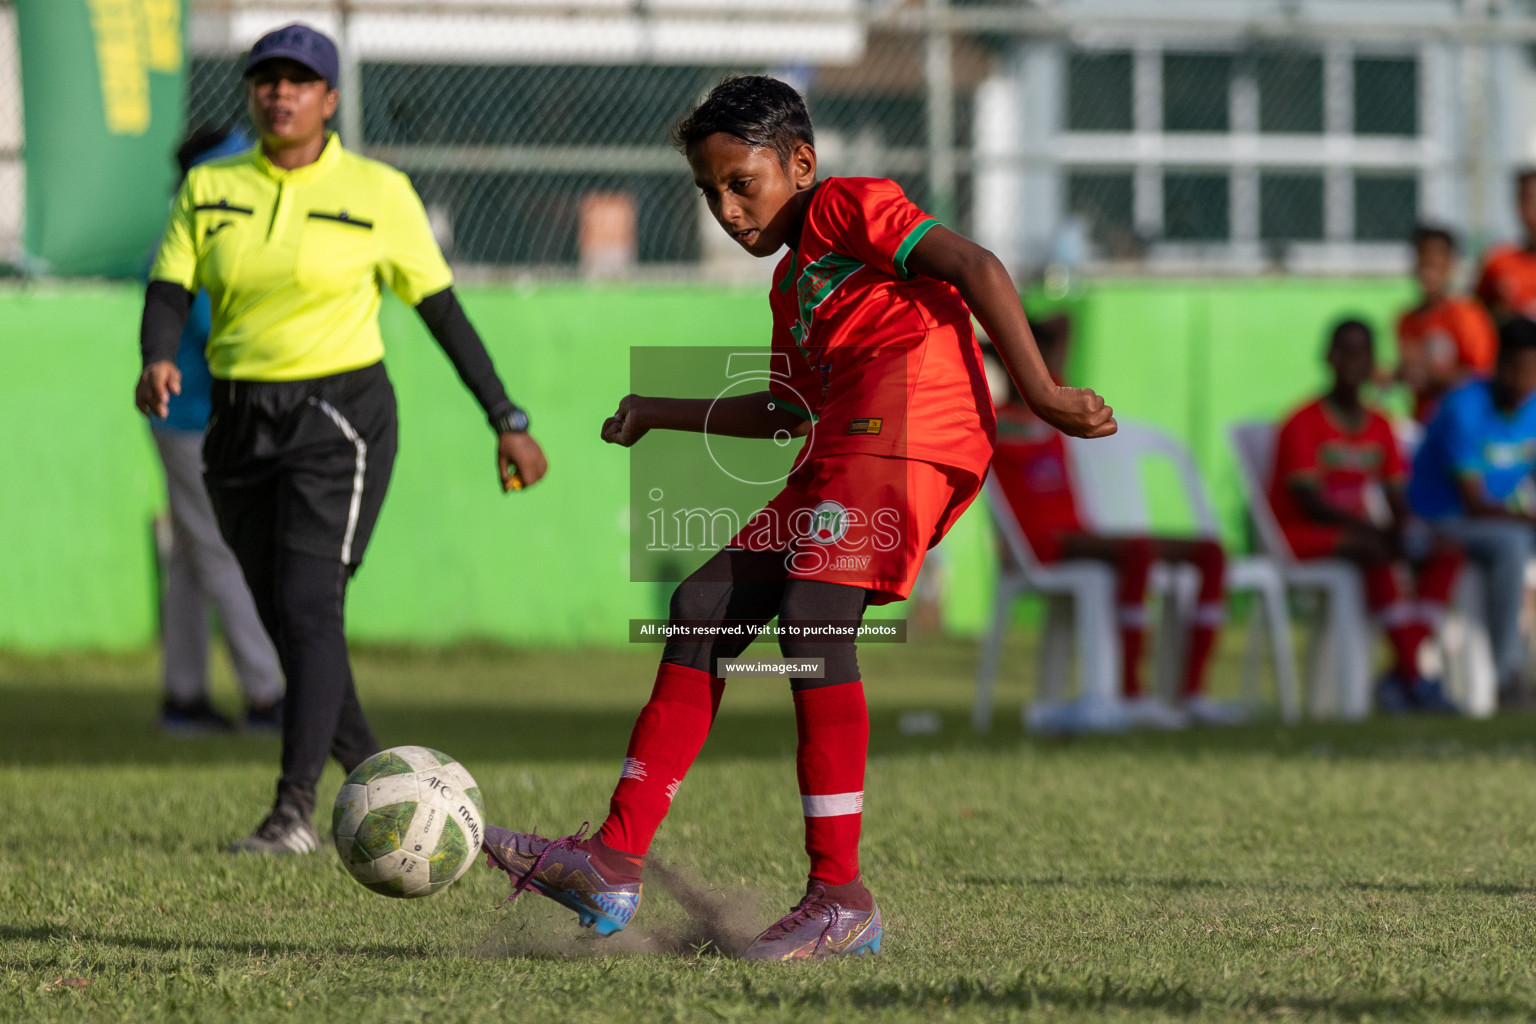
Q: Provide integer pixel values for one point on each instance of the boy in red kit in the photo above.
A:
(1031, 468)
(1446, 337)
(1507, 285)
(871, 309)
(1330, 453)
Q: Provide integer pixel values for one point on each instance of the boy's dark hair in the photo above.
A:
(1425, 233)
(1523, 177)
(1517, 334)
(199, 142)
(1343, 327)
(763, 112)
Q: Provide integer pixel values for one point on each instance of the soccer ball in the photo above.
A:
(408, 821)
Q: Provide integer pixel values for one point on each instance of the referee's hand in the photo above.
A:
(520, 461)
(157, 384)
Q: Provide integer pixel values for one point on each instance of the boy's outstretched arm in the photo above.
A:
(987, 289)
(755, 415)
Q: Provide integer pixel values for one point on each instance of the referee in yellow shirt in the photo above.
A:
(293, 241)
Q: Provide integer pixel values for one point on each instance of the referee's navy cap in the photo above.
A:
(300, 43)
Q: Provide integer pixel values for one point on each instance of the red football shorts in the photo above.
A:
(861, 520)
(1312, 540)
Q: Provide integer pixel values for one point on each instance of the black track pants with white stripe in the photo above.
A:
(297, 471)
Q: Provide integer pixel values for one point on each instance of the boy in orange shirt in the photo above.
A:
(1507, 285)
(1445, 338)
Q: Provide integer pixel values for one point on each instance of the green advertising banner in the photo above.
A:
(103, 91)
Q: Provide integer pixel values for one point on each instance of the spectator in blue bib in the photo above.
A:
(1472, 482)
(201, 571)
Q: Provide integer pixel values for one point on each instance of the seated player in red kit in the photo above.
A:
(1031, 468)
(1329, 456)
(871, 307)
(1446, 337)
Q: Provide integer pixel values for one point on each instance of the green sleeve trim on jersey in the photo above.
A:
(905, 249)
(792, 407)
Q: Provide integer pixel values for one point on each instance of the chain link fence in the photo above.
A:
(562, 166)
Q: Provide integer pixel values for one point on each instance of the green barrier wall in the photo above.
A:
(453, 558)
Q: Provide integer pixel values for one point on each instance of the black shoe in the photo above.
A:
(264, 719)
(192, 718)
(1429, 698)
(1394, 695)
(286, 830)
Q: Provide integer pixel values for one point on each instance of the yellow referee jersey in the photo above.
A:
(293, 260)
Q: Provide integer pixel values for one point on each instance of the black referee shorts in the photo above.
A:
(302, 464)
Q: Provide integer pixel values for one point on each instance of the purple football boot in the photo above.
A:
(563, 870)
(823, 925)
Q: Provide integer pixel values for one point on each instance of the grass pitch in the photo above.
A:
(1381, 871)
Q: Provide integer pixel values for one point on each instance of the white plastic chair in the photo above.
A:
(1080, 606)
(1339, 656)
(1109, 472)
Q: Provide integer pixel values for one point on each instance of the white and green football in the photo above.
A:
(408, 821)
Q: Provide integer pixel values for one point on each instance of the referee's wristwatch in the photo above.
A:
(514, 422)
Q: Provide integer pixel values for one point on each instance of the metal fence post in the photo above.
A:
(349, 112)
(939, 79)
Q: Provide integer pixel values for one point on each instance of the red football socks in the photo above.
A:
(1405, 640)
(1132, 570)
(1210, 613)
(1403, 618)
(667, 737)
(833, 727)
(617, 867)
(854, 895)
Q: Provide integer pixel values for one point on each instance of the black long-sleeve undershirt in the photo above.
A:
(458, 338)
(167, 307)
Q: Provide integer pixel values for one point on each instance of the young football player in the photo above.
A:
(872, 309)
(1032, 470)
(1331, 454)
(1446, 338)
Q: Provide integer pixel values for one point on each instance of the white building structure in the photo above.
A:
(1239, 136)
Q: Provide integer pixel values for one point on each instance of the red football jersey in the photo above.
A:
(1031, 469)
(1316, 446)
(1509, 279)
(1452, 337)
(884, 362)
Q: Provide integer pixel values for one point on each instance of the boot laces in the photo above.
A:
(814, 903)
(520, 885)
